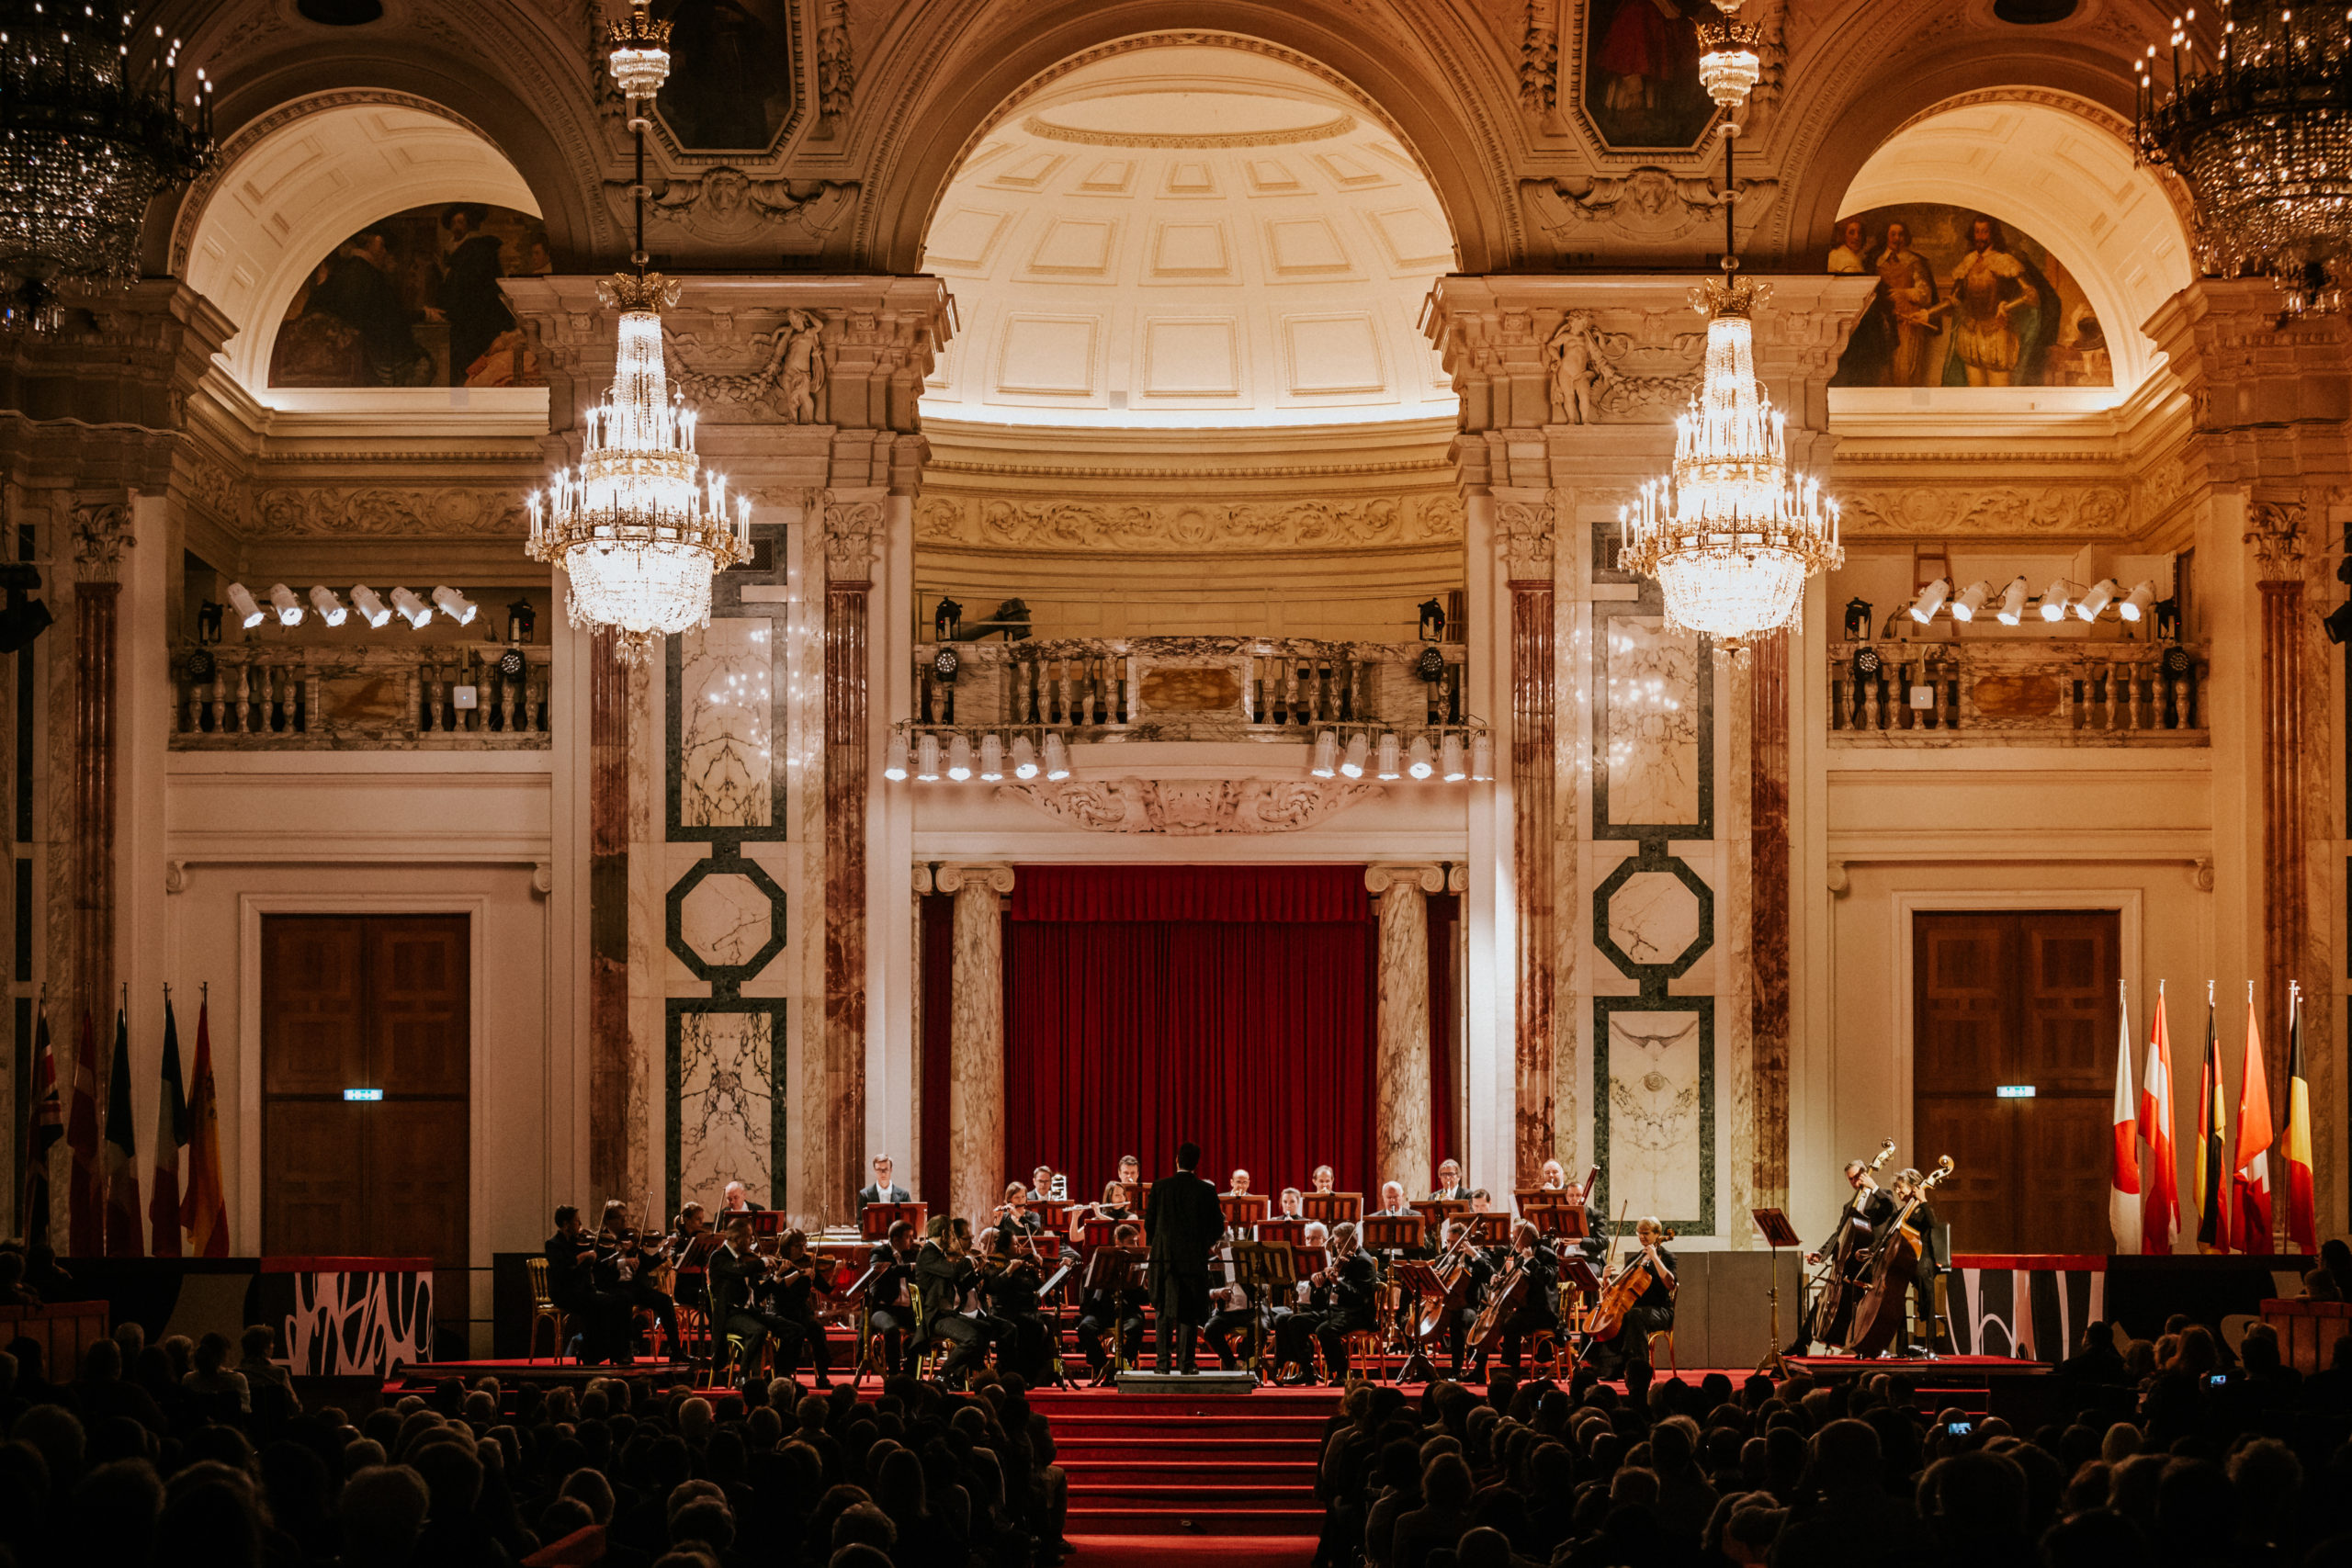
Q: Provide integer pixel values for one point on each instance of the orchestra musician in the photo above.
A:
(623, 1264)
(793, 1287)
(1863, 1220)
(1099, 1311)
(1392, 1202)
(1041, 1184)
(882, 1189)
(1289, 1206)
(1183, 1221)
(1538, 1303)
(1235, 1308)
(1922, 1283)
(1131, 1174)
(1323, 1178)
(690, 1245)
(600, 1317)
(1555, 1179)
(1353, 1282)
(1016, 1211)
(1112, 1207)
(888, 1314)
(735, 1200)
(1449, 1183)
(944, 1272)
(1009, 1288)
(1240, 1188)
(735, 1277)
(1653, 1313)
(1461, 1252)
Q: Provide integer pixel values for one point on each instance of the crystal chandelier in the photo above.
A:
(1731, 58)
(1730, 535)
(92, 126)
(2260, 129)
(636, 527)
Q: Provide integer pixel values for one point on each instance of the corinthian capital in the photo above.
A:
(101, 534)
(852, 530)
(1524, 527)
(2277, 536)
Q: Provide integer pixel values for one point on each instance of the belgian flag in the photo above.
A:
(2212, 1147)
(2303, 1230)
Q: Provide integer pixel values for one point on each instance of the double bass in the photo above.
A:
(1839, 1280)
(1893, 1263)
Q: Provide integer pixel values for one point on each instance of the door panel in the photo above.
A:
(314, 1196)
(313, 1017)
(419, 1019)
(2063, 1198)
(417, 1184)
(1959, 1035)
(1977, 1201)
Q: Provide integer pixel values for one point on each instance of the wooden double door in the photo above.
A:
(2016, 999)
(381, 1005)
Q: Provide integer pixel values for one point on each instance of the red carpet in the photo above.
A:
(1185, 1471)
(1176, 1552)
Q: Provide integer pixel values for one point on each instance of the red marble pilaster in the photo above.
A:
(1769, 929)
(608, 1037)
(1533, 777)
(2286, 914)
(846, 782)
(95, 608)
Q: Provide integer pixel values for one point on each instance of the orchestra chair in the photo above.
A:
(643, 1318)
(694, 1330)
(931, 1353)
(870, 1352)
(1544, 1351)
(543, 1309)
(1650, 1349)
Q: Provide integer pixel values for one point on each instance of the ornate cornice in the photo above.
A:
(1090, 525)
(387, 510)
(1037, 125)
(2086, 510)
(1192, 807)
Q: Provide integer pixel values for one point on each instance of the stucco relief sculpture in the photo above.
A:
(1650, 205)
(726, 206)
(790, 384)
(1192, 807)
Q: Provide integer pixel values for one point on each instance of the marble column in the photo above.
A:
(1401, 1133)
(976, 1040)
(852, 529)
(2277, 538)
(101, 533)
(1525, 530)
(1767, 949)
(608, 906)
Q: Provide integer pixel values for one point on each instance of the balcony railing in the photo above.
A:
(2018, 693)
(431, 698)
(1189, 688)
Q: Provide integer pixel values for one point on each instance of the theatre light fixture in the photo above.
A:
(2012, 609)
(1352, 761)
(1931, 599)
(2137, 603)
(413, 610)
(2089, 606)
(1972, 599)
(894, 759)
(330, 608)
(288, 608)
(454, 605)
(2053, 601)
(372, 609)
(241, 599)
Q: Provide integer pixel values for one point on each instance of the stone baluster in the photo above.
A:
(1401, 1077)
(976, 1038)
(243, 723)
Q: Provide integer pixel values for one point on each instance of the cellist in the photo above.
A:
(1460, 1252)
(1860, 1222)
(1538, 1304)
(1652, 1310)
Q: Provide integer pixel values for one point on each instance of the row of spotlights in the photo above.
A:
(1450, 759)
(1937, 595)
(252, 612)
(960, 760)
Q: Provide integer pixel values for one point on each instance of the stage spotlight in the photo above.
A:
(1391, 759)
(330, 608)
(927, 758)
(1451, 762)
(413, 610)
(1057, 759)
(2133, 608)
(371, 609)
(959, 758)
(2012, 608)
(1359, 749)
(1418, 761)
(454, 605)
(894, 759)
(1326, 756)
(22, 619)
(1482, 758)
(241, 599)
(2102, 593)
(1972, 599)
(991, 759)
(2337, 623)
(1931, 599)
(288, 608)
(1025, 758)
(2053, 601)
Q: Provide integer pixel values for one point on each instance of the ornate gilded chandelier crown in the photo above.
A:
(1730, 57)
(92, 126)
(2260, 129)
(638, 527)
(1730, 535)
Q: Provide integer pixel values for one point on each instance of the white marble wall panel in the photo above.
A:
(726, 744)
(1653, 736)
(1654, 917)
(726, 1076)
(1655, 1106)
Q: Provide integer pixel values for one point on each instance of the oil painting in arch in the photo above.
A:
(1963, 299)
(1641, 73)
(413, 300)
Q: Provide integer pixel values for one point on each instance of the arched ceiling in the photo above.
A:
(1187, 235)
(297, 182)
(2060, 169)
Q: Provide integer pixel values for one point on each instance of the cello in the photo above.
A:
(1839, 1278)
(1620, 1292)
(1893, 1263)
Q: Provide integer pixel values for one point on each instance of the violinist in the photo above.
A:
(1477, 1274)
(889, 1315)
(1860, 1222)
(795, 1283)
(735, 1277)
(1101, 1311)
(1922, 1283)
(1010, 1286)
(1652, 1310)
(1355, 1285)
(624, 1263)
(1449, 1183)
(1538, 1303)
(599, 1317)
(944, 1273)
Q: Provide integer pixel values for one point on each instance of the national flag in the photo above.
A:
(2212, 1150)
(2303, 1229)
(44, 1125)
(171, 1137)
(2250, 1182)
(2123, 1186)
(123, 1237)
(204, 1212)
(2160, 1213)
(85, 1197)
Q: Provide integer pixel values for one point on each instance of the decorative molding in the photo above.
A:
(2201, 873)
(1457, 879)
(101, 533)
(381, 511)
(836, 69)
(2096, 511)
(2277, 536)
(993, 875)
(1038, 125)
(1401, 519)
(1539, 58)
(790, 384)
(175, 876)
(1841, 879)
(853, 536)
(543, 877)
(1646, 205)
(1526, 530)
(923, 881)
(1428, 877)
(1593, 378)
(1192, 807)
(726, 206)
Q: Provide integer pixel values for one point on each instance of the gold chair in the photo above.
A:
(1650, 1348)
(543, 1309)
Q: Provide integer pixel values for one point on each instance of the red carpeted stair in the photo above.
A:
(1173, 1465)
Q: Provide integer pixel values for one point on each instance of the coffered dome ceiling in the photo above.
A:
(1184, 235)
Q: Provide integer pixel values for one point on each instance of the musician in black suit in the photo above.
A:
(1860, 1225)
(1448, 1184)
(1183, 1221)
(600, 1317)
(1653, 1312)
(1478, 1273)
(882, 1189)
(1909, 1184)
(888, 1316)
(1101, 1311)
(1353, 1282)
(1538, 1306)
(944, 1273)
(734, 1277)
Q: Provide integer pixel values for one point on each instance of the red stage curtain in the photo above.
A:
(1231, 1006)
(1444, 909)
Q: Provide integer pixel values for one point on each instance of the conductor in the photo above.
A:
(1183, 1221)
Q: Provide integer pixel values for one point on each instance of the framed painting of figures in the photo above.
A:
(413, 300)
(1641, 73)
(1963, 299)
(731, 81)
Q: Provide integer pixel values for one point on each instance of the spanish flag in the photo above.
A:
(2212, 1150)
(2161, 1214)
(2303, 1230)
(2251, 1182)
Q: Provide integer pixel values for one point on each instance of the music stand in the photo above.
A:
(1281, 1231)
(874, 1221)
(768, 1221)
(1390, 1233)
(1268, 1270)
(1490, 1228)
(1332, 1208)
(1435, 1211)
(1243, 1211)
(1420, 1280)
(1099, 1233)
(1778, 1234)
(1054, 1211)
